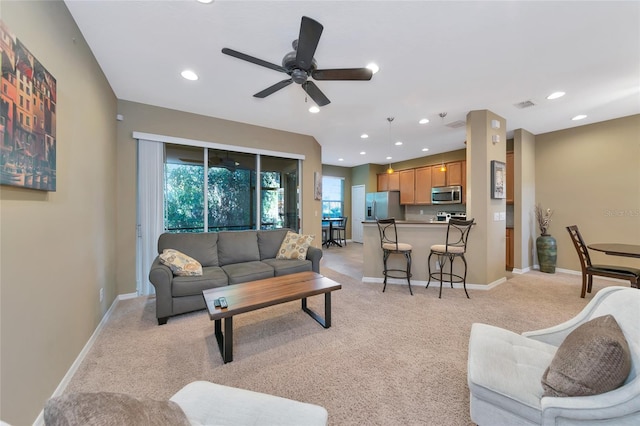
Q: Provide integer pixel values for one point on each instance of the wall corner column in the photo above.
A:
(487, 240)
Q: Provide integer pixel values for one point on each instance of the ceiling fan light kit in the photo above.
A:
(300, 65)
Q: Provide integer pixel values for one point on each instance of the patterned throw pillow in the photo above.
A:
(593, 359)
(180, 264)
(295, 246)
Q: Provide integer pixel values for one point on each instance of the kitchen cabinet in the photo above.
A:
(509, 178)
(423, 185)
(389, 181)
(454, 173)
(383, 182)
(509, 249)
(452, 176)
(407, 186)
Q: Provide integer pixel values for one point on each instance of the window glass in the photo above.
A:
(184, 197)
(332, 196)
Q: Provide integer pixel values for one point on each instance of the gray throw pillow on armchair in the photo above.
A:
(593, 359)
(111, 409)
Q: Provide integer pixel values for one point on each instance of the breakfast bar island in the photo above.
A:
(421, 236)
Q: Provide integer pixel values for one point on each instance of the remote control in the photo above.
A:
(223, 302)
(216, 303)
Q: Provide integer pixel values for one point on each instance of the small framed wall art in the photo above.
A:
(498, 176)
(317, 186)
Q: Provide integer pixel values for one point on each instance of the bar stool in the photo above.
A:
(390, 245)
(455, 246)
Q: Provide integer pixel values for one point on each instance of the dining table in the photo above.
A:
(330, 240)
(616, 249)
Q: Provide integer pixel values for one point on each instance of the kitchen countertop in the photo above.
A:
(408, 222)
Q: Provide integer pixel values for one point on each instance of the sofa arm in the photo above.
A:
(555, 335)
(162, 278)
(314, 255)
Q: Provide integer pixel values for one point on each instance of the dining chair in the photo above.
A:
(390, 245)
(455, 246)
(589, 270)
(341, 229)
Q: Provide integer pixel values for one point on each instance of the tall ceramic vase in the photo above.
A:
(547, 253)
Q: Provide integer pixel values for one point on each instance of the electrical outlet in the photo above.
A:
(421, 211)
(101, 295)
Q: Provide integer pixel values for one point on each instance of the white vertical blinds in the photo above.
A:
(150, 221)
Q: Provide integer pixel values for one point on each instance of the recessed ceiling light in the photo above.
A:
(425, 149)
(362, 153)
(205, 1)
(340, 159)
(189, 75)
(579, 117)
(398, 143)
(314, 110)
(556, 95)
(389, 158)
(364, 136)
(373, 67)
(424, 121)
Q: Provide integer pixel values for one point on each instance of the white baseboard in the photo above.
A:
(83, 353)
(470, 286)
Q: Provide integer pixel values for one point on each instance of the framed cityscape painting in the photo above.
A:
(27, 117)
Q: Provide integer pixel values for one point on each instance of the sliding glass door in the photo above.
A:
(232, 196)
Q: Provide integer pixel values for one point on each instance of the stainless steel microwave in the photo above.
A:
(446, 195)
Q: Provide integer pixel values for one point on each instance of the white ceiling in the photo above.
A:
(434, 57)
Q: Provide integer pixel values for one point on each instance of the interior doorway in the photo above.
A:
(357, 212)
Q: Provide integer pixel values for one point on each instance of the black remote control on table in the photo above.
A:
(216, 303)
(223, 302)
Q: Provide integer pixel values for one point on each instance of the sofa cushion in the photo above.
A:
(234, 406)
(504, 368)
(201, 246)
(593, 359)
(111, 409)
(289, 266)
(237, 247)
(247, 271)
(269, 242)
(294, 246)
(180, 264)
(212, 276)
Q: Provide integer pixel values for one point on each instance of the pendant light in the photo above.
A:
(390, 119)
(443, 168)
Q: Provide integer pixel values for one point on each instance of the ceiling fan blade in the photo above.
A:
(271, 89)
(314, 92)
(308, 39)
(343, 74)
(253, 60)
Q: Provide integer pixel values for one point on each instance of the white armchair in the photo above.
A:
(505, 371)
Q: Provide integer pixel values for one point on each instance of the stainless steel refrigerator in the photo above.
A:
(383, 205)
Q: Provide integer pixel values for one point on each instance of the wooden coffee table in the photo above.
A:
(250, 296)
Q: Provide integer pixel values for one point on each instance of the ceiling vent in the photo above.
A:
(457, 124)
(524, 104)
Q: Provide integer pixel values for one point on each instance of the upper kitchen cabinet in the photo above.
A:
(423, 185)
(389, 181)
(407, 186)
(452, 176)
(509, 178)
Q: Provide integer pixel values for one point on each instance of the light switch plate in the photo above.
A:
(496, 217)
(503, 215)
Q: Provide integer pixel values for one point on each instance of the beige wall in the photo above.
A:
(525, 226)
(150, 119)
(343, 172)
(57, 248)
(590, 177)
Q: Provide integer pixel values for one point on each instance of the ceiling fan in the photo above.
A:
(300, 65)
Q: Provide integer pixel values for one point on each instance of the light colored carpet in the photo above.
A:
(388, 359)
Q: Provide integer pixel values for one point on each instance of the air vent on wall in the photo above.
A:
(524, 104)
(456, 124)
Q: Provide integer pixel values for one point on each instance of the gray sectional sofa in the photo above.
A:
(227, 257)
